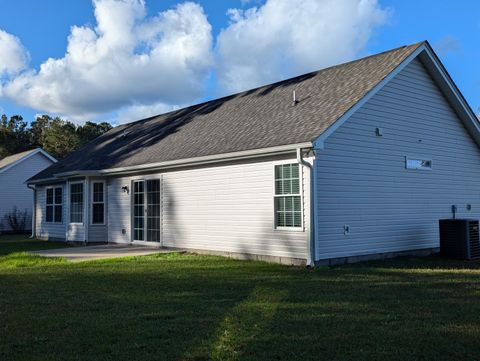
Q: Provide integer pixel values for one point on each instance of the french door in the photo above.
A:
(146, 210)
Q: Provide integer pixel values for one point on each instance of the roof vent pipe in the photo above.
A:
(295, 101)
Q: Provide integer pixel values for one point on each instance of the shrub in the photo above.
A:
(17, 220)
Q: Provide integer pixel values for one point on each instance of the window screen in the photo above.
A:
(288, 204)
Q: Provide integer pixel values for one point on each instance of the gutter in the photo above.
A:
(311, 236)
(34, 210)
(215, 158)
(209, 159)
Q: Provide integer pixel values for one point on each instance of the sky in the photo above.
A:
(123, 60)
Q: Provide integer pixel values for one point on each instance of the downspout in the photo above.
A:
(311, 236)
(34, 209)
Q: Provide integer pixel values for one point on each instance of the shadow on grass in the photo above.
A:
(9, 244)
(185, 307)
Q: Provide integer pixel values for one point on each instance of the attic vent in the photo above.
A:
(124, 134)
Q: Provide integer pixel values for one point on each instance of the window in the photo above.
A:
(54, 208)
(288, 202)
(76, 203)
(425, 164)
(98, 203)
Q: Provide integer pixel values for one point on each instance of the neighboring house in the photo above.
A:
(14, 193)
(360, 159)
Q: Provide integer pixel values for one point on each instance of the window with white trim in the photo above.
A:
(54, 205)
(422, 164)
(76, 203)
(288, 201)
(98, 203)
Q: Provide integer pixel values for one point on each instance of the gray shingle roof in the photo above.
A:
(5, 162)
(259, 118)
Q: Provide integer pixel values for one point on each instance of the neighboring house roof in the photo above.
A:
(12, 160)
(261, 118)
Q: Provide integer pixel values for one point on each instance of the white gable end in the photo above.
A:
(14, 192)
(363, 183)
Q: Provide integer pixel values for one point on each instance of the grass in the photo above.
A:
(22, 243)
(190, 307)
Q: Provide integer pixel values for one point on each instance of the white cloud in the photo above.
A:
(284, 38)
(130, 66)
(248, 2)
(448, 44)
(14, 57)
(127, 59)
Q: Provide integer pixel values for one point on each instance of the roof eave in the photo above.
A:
(196, 161)
(450, 90)
(215, 158)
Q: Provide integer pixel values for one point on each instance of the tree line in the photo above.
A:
(57, 136)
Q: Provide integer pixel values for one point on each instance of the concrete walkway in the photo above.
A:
(87, 253)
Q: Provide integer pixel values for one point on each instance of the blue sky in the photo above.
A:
(43, 29)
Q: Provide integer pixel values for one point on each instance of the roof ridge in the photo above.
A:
(414, 45)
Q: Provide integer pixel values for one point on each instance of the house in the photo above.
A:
(14, 193)
(354, 161)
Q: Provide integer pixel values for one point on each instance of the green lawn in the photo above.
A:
(21, 243)
(189, 307)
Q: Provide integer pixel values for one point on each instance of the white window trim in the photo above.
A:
(300, 175)
(70, 202)
(407, 158)
(54, 204)
(145, 178)
(92, 202)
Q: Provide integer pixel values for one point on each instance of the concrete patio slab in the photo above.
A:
(87, 253)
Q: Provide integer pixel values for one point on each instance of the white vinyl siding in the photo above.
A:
(119, 210)
(362, 178)
(15, 193)
(227, 208)
(46, 230)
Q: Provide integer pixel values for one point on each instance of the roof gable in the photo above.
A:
(14, 159)
(260, 118)
(437, 71)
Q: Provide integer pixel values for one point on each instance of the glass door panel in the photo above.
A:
(138, 211)
(146, 210)
(153, 210)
